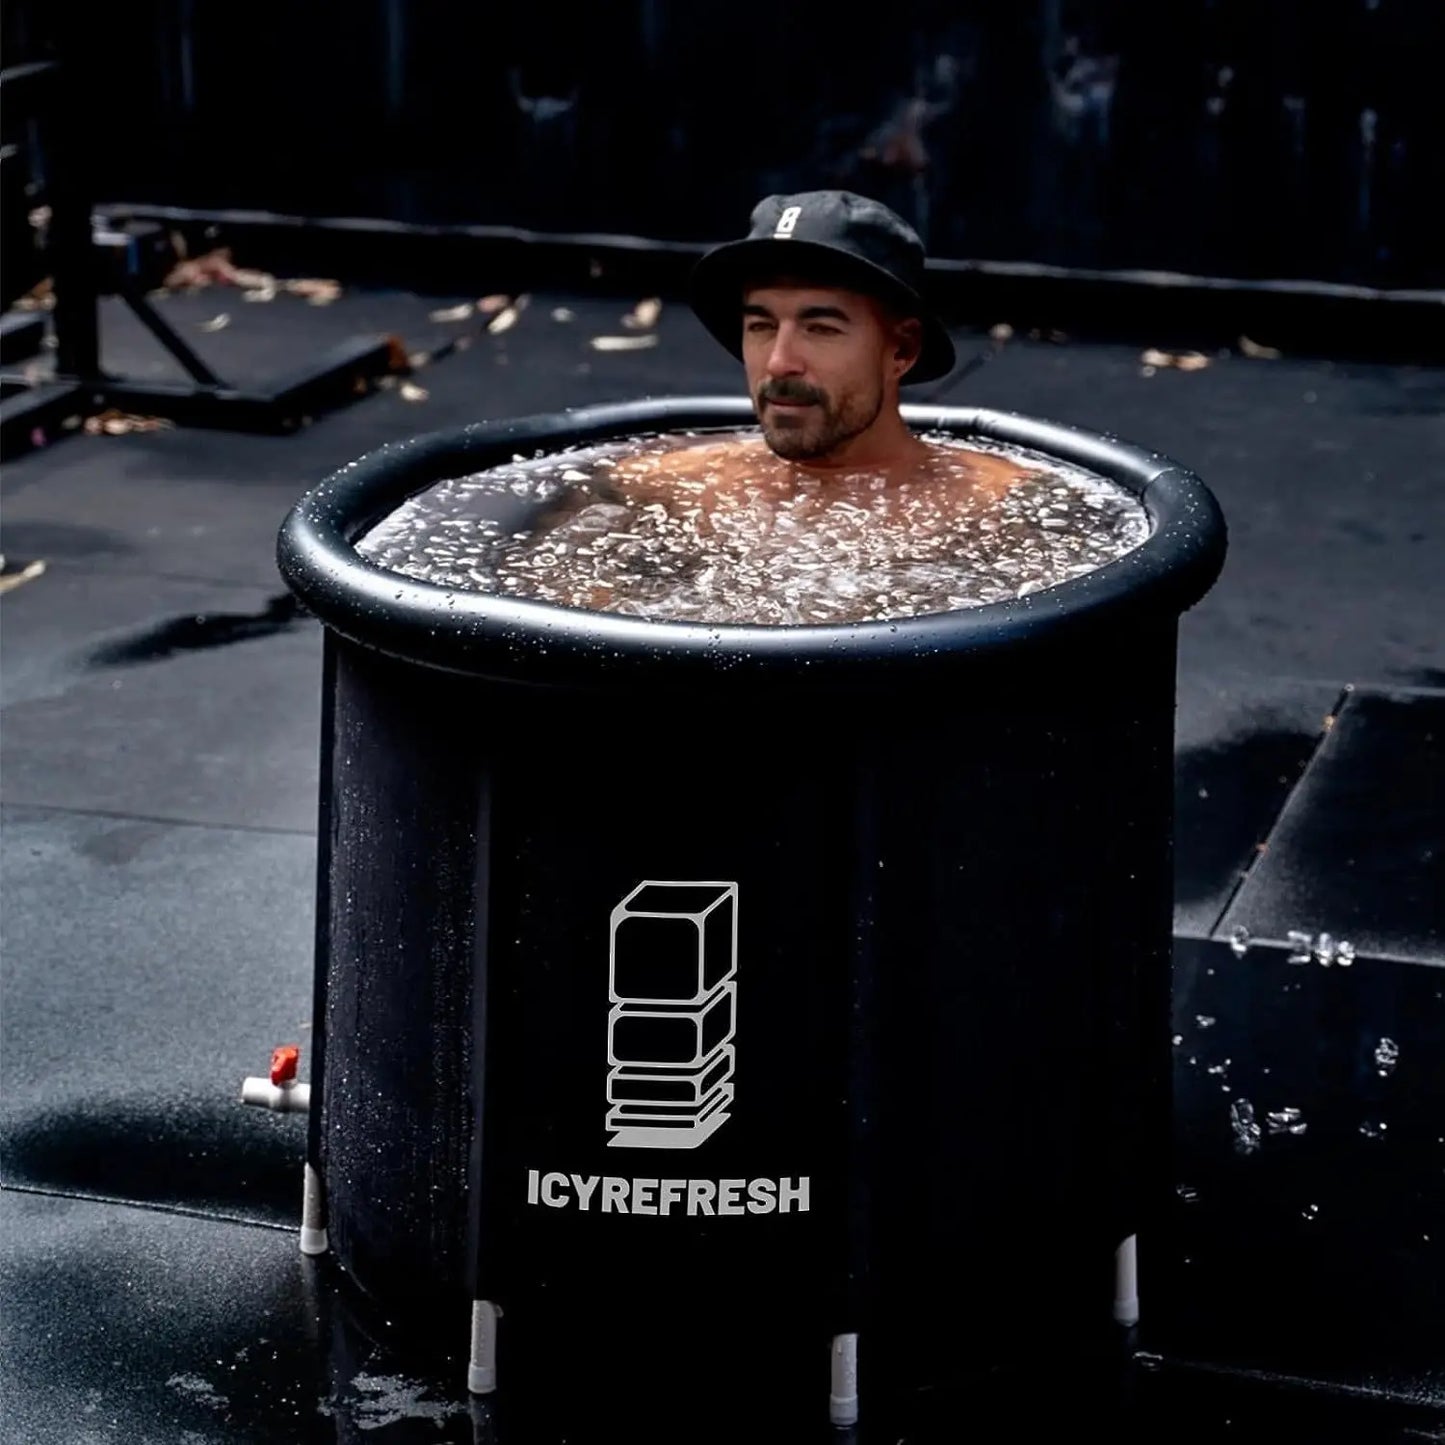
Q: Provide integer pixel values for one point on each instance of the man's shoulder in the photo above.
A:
(982, 471)
(695, 457)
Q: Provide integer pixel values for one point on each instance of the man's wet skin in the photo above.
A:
(757, 504)
(723, 476)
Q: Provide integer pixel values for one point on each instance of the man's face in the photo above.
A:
(821, 362)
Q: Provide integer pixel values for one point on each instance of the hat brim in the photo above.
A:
(718, 279)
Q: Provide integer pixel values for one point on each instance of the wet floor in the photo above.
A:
(156, 943)
(198, 632)
(134, 1325)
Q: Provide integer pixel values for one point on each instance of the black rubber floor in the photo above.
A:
(158, 776)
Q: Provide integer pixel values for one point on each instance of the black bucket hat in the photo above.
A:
(843, 239)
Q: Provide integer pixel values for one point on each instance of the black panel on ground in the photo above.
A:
(1241, 744)
(1304, 1233)
(1358, 852)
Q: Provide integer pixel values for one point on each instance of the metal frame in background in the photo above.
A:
(82, 386)
(1302, 318)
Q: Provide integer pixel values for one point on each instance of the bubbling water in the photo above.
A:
(717, 529)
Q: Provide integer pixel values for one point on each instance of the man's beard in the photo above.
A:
(815, 433)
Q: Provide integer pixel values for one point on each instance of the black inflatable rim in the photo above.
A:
(474, 632)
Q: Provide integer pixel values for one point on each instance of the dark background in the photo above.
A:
(1295, 139)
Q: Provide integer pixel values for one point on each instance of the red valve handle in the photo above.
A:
(283, 1063)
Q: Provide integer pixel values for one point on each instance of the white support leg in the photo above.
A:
(1126, 1282)
(843, 1383)
(482, 1363)
(313, 1215)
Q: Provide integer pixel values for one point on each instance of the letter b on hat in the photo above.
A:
(786, 222)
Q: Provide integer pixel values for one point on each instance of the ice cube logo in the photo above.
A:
(672, 977)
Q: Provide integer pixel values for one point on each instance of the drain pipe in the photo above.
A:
(283, 1098)
(281, 1091)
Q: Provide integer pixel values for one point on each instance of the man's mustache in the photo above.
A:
(790, 389)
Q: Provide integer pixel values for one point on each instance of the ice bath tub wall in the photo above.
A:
(728, 993)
